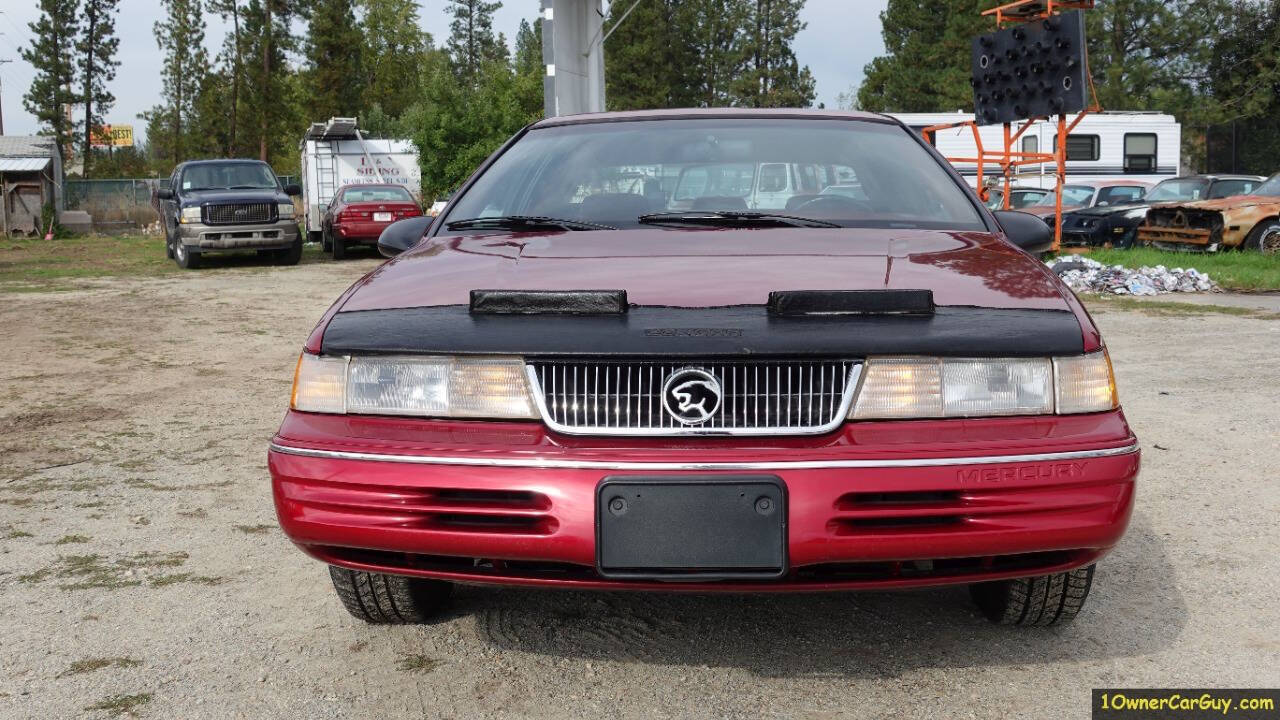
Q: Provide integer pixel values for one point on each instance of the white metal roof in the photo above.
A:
(23, 164)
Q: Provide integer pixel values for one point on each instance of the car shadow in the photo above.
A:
(1135, 608)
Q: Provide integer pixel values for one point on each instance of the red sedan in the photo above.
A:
(573, 380)
(359, 214)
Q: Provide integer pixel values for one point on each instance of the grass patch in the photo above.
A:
(176, 578)
(418, 664)
(37, 265)
(118, 705)
(15, 534)
(89, 665)
(1172, 308)
(254, 529)
(85, 572)
(1239, 271)
(71, 539)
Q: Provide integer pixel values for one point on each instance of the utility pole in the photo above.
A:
(2, 62)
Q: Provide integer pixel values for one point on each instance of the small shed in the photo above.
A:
(30, 178)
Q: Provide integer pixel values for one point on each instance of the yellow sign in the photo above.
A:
(114, 136)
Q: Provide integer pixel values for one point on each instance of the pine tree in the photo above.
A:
(716, 38)
(926, 65)
(334, 42)
(180, 36)
(647, 56)
(395, 52)
(231, 62)
(97, 49)
(270, 87)
(472, 43)
(528, 59)
(52, 55)
(771, 76)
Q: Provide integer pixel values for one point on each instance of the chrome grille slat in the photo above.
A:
(758, 397)
(238, 213)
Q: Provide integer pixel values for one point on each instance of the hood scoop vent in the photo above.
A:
(802, 303)
(548, 302)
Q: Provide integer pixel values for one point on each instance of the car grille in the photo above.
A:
(239, 214)
(757, 397)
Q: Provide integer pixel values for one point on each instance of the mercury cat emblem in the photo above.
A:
(691, 395)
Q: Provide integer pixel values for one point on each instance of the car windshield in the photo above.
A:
(1270, 188)
(1177, 190)
(228, 176)
(1071, 195)
(376, 194)
(852, 173)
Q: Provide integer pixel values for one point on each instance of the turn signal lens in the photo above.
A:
(319, 384)
(1085, 383)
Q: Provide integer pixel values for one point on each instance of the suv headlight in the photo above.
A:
(284, 211)
(425, 386)
(922, 387)
(189, 215)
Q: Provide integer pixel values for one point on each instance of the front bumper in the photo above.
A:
(1097, 232)
(261, 236)
(884, 504)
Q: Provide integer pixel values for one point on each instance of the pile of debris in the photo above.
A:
(1085, 275)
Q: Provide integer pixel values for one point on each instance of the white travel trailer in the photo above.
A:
(335, 154)
(1142, 146)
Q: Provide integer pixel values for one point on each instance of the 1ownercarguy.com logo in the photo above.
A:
(1184, 703)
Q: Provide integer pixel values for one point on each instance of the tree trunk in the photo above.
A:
(266, 80)
(235, 77)
(88, 93)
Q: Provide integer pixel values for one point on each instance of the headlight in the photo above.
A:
(284, 210)
(426, 386)
(1138, 214)
(916, 387)
(189, 215)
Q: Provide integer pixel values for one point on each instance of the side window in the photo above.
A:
(1139, 152)
(1120, 194)
(1081, 147)
(1031, 144)
(1227, 188)
(773, 178)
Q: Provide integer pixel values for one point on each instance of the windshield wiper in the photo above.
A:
(732, 218)
(524, 222)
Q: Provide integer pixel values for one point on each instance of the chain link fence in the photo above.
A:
(121, 205)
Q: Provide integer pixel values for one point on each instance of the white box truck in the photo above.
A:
(335, 154)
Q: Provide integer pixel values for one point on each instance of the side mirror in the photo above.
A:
(403, 234)
(164, 194)
(293, 189)
(1025, 230)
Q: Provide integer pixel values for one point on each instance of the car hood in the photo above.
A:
(222, 197)
(1105, 210)
(714, 268)
(1235, 202)
(1046, 211)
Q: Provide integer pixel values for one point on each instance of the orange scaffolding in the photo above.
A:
(1023, 11)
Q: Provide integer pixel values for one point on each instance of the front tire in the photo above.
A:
(380, 598)
(1265, 238)
(290, 255)
(186, 258)
(1037, 601)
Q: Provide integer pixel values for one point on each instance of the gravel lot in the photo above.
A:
(143, 570)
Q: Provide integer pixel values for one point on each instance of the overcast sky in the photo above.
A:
(842, 37)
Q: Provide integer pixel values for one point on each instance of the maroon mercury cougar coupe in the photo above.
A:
(647, 351)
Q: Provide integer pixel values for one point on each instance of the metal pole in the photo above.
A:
(1060, 153)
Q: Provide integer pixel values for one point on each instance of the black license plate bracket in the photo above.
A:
(691, 528)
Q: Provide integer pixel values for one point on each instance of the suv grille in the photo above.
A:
(757, 397)
(239, 214)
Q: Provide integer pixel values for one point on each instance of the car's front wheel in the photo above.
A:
(380, 598)
(290, 255)
(1044, 600)
(186, 258)
(1265, 237)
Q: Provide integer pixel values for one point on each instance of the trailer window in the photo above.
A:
(1139, 152)
(1081, 147)
(1031, 144)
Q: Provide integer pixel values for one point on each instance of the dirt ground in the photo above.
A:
(142, 569)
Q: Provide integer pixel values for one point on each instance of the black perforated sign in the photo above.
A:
(1032, 69)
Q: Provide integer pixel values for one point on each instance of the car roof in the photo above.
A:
(694, 113)
(223, 161)
(370, 185)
